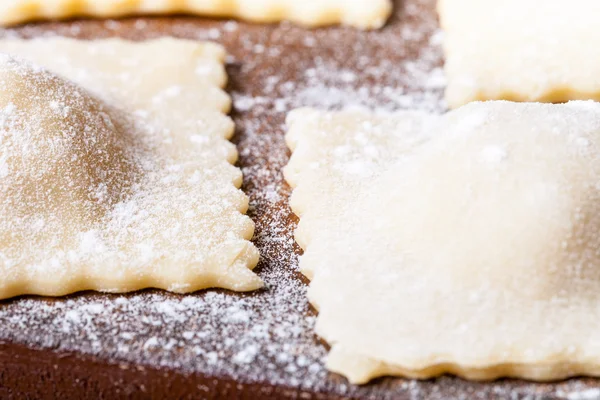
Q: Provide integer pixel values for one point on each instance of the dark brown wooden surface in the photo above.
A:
(272, 69)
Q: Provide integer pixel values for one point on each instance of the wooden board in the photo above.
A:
(216, 344)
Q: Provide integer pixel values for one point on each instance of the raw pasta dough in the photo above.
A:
(360, 13)
(465, 243)
(521, 50)
(115, 170)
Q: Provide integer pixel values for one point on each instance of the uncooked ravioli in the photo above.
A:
(473, 250)
(520, 50)
(364, 14)
(115, 170)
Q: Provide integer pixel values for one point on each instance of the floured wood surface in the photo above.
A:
(271, 349)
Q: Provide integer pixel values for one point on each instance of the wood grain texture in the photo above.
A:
(39, 360)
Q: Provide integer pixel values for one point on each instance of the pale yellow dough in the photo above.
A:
(520, 50)
(366, 14)
(115, 169)
(465, 243)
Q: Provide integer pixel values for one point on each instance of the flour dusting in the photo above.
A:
(266, 336)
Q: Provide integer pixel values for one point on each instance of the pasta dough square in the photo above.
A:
(520, 50)
(116, 169)
(464, 243)
(364, 14)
